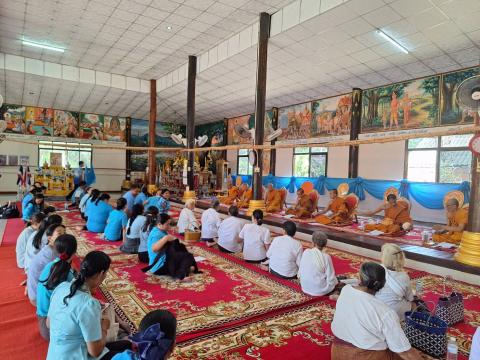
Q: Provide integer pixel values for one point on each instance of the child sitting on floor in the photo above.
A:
(34, 206)
(285, 253)
(38, 262)
(155, 339)
(116, 222)
(150, 220)
(54, 273)
(134, 228)
(22, 239)
(256, 239)
(316, 272)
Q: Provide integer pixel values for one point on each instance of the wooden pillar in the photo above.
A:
(260, 95)
(273, 152)
(192, 74)
(355, 123)
(151, 132)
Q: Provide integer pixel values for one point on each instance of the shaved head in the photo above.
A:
(453, 202)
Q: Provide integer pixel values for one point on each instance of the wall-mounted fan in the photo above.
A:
(468, 96)
(180, 140)
(249, 134)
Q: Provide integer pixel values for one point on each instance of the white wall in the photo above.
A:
(337, 162)
(382, 161)
(232, 160)
(109, 166)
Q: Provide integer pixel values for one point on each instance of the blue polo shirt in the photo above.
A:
(30, 210)
(163, 205)
(140, 199)
(152, 201)
(116, 221)
(155, 235)
(26, 199)
(130, 199)
(43, 294)
(97, 216)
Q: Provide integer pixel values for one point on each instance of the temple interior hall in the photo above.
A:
(238, 179)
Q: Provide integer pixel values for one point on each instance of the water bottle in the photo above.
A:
(452, 349)
(419, 288)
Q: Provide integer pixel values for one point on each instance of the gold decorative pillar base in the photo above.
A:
(190, 194)
(152, 189)
(254, 205)
(469, 250)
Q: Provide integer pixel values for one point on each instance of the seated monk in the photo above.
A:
(335, 212)
(457, 219)
(273, 199)
(245, 197)
(232, 195)
(397, 217)
(304, 206)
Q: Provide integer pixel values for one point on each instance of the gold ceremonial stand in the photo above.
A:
(254, 205)
(469, 250)
(189, 194)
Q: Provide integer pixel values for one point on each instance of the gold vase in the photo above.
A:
(152, 189)
(254, 205)
(187, 195)
(469, 250)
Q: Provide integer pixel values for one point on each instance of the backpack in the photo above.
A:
(9, 211)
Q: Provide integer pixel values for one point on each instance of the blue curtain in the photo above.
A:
(90, 177)
(428, 195)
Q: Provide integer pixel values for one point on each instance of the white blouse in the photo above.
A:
(397, 293)
(316, 273)
(210, 223)
(186, 221)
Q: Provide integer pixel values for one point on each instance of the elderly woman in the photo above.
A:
(187, 220)
(365, 327)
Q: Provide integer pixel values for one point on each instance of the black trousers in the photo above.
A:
(143, 257)
(222, 249)
(273, 272)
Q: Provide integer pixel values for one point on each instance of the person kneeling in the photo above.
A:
(157, 239)
(316, 272)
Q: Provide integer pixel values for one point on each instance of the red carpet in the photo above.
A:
(19, 336)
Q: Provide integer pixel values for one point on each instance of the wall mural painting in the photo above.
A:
(216, 133)
(39, 121)
(451, 112)
(91, 126)
(139, 133)
(114, 128)
(407, 105)
(12, 119)
(138, 160)
(245, 120)
(66, 124)
(331, 116)
(266, 162)
(295, 121)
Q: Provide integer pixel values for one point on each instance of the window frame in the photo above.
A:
(310, 153)
(60, 145)
(439, 149)
(239, 156)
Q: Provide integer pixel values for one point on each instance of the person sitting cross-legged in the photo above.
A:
(457, 219)
(304, 206)
(229, 240)
(335, 212)
(256, 239)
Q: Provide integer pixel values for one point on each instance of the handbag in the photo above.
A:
(450, 308)
(426, 332)
(9, 211)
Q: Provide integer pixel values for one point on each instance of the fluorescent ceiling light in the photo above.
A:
(43, 46)
(392, 41)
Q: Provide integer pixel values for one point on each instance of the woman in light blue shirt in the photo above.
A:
(90, 202)
(150, 221)
(156, 241)
(134, 226)
(142, 196)
(116, 222)
(164, 202)
(98, 214)
(34, 206)
(153, 200)
(54, 273)
(77, 330)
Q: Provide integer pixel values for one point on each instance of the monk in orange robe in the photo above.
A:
(335, 212)
(273, 199)
(457, 219)
(304, 207)
(233, 193)
(247, 195)
(397, 217)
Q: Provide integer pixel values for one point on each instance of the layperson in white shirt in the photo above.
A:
(316, 272)
(228, 232)
(256, 239)
(285, 253)
(187, 220)
(397, 292)
(210, 223)
(364, 327)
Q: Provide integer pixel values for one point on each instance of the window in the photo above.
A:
(70, 155)
(444, 159)
(243, 166)
(310, 162)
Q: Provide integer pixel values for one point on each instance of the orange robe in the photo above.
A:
(303, 209)
(245, 198)
(231, 197)
(273, 201)
(395, 216)
(454, 237)
(339, 209)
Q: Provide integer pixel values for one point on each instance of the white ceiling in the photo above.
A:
(127, 37)
(323, 56)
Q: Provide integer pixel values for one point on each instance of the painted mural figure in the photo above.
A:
(406, 107)
(394, 110)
